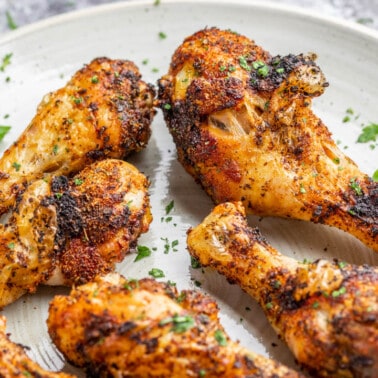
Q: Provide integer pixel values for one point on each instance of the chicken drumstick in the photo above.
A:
(326, 312)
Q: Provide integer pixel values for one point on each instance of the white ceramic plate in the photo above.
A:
(46, 54)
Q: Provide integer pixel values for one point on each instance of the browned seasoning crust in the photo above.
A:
(14, 362)
(115, 327)
(67, 231)
(243, 126)
(104, 111)
(327, 312)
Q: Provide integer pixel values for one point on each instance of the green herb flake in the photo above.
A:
(11, 245)
(169, 207)
(355, 186)
(369, 133)
(94, 79)
(10, 21)
(78, 181)
(180, 323)
(156, 3)
(302, 189)
(243, 63)
(220, 337)
(375, 176)
(145, 61)
(269, 305)
(202, 373)
(6, 61)
(342, 264)
(337, 293)
(16, 166)
(346, 119)
(261, 68)
(167, 106)
(181, 297)
(315, 305)
(143, 252)
(156, 273)
(4, 131)
(194, 263)
(55, 149)
(162, 35)
(280, 70)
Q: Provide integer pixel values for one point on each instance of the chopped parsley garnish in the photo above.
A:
(169, 207)
(94, 79)
(355, 186)
(180, 323)
(78, 181)
(162, 35)
(244, 64)
(3, 131)
(11, 24)
(156, 273)
(261, 68)
(194, 263)
(6, 61)
(167, 106)
(220, 337)
(16, 166)
(143, 252)
(369, 133)
(337, 293)
(170, 245)
(11, 245)
(375, 176)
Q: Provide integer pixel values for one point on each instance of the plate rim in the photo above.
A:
(271, 6)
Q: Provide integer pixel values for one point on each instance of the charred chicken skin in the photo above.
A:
(326, 312)
(244, 129)
(14, 362)
(67, 231)
(115, 327)
(104, 111)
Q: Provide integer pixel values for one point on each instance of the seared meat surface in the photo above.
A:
(15, 363)
(115, 327)
(66, 231)
(104, 111)
(244, 129)
(326, 312)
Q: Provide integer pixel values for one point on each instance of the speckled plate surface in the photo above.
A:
(44, 56)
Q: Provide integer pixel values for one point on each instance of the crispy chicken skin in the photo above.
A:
(67, 231)
(327, 312)
(244, 129)
(104, 111)
(14, 362)
(115, 327)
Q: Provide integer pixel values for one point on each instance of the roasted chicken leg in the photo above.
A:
(104, 111)
(15, 363)
(327, 312)
(66, 231)
(244, 129)
(115, 327)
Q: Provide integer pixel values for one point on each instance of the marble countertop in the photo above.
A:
(16, 13)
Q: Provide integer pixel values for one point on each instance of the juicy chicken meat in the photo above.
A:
(115, 327)
(104, 111)
(66, 231)
(14, 362)
(244, 129)
(326, 312)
